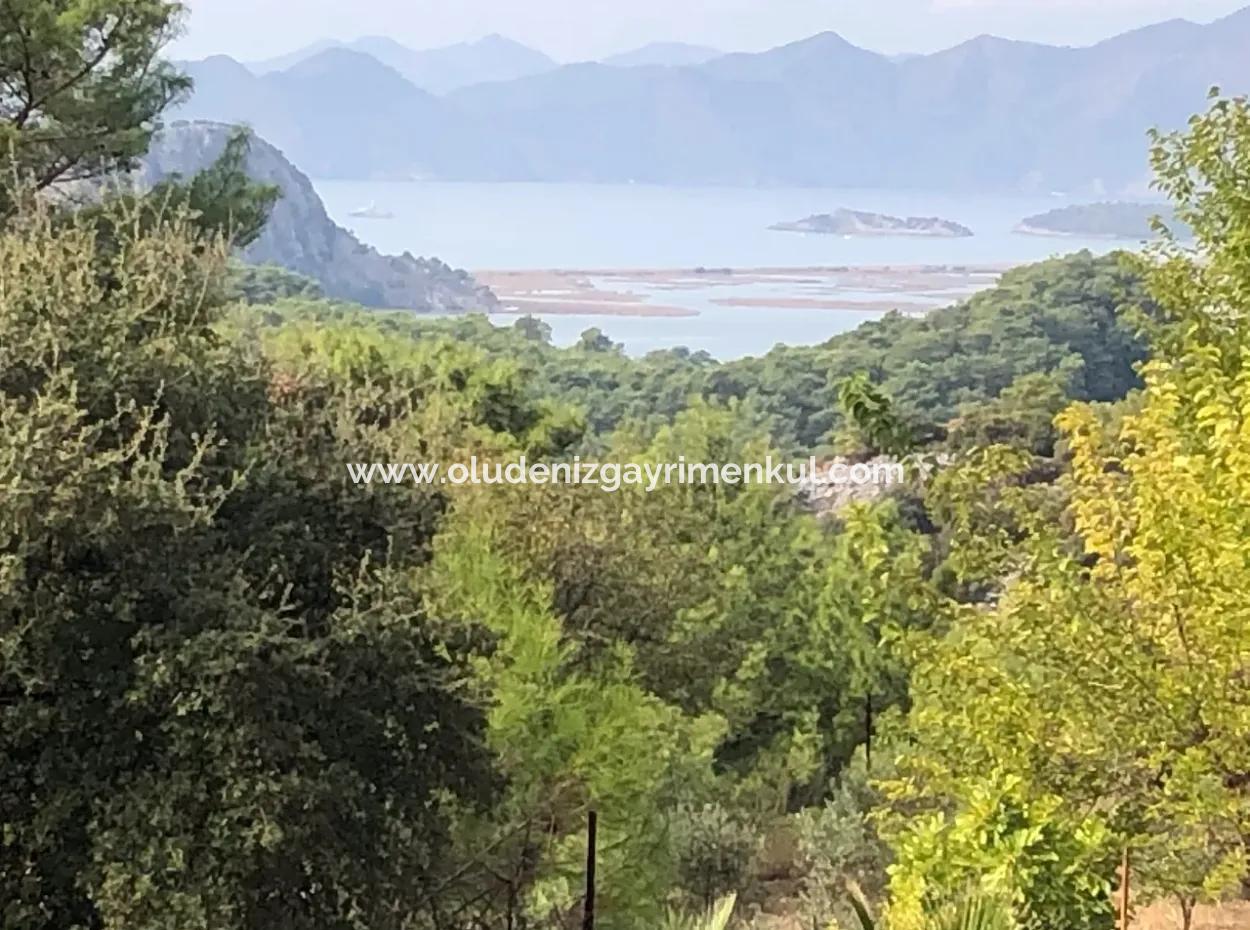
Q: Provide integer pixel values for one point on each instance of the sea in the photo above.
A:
(617, 227)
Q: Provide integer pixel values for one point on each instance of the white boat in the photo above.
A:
(372, 212)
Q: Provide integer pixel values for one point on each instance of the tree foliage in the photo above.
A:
(1111, 675)
(219, 704)
(239, 689)
(82, 87)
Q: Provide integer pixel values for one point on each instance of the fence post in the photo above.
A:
(588, 908)
(1126, 868)
(868, 733)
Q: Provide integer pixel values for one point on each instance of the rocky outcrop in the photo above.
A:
(833, 487)
(301, 236)
(859, 223)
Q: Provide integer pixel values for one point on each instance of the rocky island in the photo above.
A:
(859, 223)
(1114, 220)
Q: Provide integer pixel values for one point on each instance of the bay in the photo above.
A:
(605, 227)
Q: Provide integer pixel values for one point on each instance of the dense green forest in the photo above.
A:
(238, 690)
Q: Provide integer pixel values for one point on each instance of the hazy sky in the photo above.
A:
(571, 30)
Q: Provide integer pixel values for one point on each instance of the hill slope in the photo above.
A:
(301, 236)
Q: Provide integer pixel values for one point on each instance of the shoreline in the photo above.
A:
(689, 292)
(1024, 229)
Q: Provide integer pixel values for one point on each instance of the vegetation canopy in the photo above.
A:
(240, 691)
(82, 86)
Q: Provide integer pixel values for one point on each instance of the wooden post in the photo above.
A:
(588, 907)
(868, 733)
(1126, 869)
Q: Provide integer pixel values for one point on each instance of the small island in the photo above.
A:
(1113, 220)
(859, 223)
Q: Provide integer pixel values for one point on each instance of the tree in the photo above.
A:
(1112, 673)
(1021, 848)
(532, 328)
(221, 199)
(221, 703)
(1023, 416)
(874, 424)
(221, 202)
(595, 340)
(569, 740)
(83, 87)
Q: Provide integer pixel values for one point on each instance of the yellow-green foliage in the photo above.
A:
(1112, 675)
(1002, 844)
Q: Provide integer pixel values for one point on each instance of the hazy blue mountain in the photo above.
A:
(225, 88)
(984, 112)
(350, 105)
(664, 55)
(340, 114)
(822, 59)
(436, 70)
(989, 114)
(290, 59)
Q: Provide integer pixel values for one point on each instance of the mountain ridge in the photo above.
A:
(435, 70)
(989, 114)
(663, 55)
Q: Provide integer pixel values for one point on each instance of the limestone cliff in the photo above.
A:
(301, 236)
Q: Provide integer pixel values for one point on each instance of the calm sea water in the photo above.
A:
(585, 226)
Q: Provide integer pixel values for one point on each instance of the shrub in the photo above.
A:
(1055, 871)
(838, 843)
(714, 850)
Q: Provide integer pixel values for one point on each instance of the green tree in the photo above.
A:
(1111, 674)
(873, 426)
(84, 87)
(1023, 416)
(532, 328)
(594, 340)
(221, 199)
(221, 706)
(568, 740)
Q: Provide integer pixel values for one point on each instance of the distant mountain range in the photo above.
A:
(437, 70)
(989, 114)
(664, 55)
(492, 59)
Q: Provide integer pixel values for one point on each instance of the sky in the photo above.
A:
(577, 30)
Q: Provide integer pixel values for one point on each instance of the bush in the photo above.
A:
(714, 850)
(1056, 872)
(838, 845)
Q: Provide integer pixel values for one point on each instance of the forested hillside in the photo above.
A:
(240, 690)
(1060, 319)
